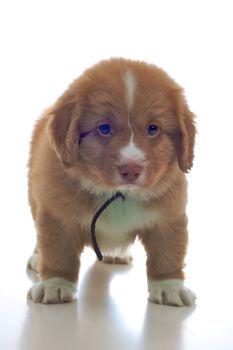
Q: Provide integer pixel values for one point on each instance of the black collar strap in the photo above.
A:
(95, 218)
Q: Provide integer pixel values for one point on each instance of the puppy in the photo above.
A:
(123, 126)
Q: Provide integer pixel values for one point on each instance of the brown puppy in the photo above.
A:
(122, 126)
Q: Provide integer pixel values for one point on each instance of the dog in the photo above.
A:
(124, 127)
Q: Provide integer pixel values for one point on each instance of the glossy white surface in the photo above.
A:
(112, 312)
(44, 45)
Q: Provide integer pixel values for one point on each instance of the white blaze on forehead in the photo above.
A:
(130, 84)
(132, 152)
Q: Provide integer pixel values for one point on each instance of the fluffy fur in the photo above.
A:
(74, 168)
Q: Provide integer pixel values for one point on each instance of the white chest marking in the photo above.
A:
(130, 84)
(120, 219)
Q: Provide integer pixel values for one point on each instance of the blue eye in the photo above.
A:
(152, 130)
(105, 129)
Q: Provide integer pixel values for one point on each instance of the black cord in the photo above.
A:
(95, 218)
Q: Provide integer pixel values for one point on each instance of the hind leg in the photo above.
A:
(123, 257)
(32, 263)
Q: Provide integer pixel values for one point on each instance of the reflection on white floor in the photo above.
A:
(112, 312)
(128, 291)
(130, 304)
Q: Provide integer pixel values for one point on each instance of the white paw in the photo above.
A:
(108, 259)
(32, 262)
(54, 290)
(170, 292)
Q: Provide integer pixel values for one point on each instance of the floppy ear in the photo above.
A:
(62, 130)
(185, 138)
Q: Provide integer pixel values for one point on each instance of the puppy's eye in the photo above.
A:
(105, 129)
(152, 130)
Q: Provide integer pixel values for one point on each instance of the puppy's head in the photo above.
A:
(121, 125)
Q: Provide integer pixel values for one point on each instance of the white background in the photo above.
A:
(46, 44)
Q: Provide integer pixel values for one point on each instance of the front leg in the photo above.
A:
(166, 248)
(58, 262)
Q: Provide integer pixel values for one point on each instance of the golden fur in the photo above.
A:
(72, 169)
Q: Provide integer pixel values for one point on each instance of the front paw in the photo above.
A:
(170, 292)
(54, 290)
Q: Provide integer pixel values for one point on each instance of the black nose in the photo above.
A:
(131, 172)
